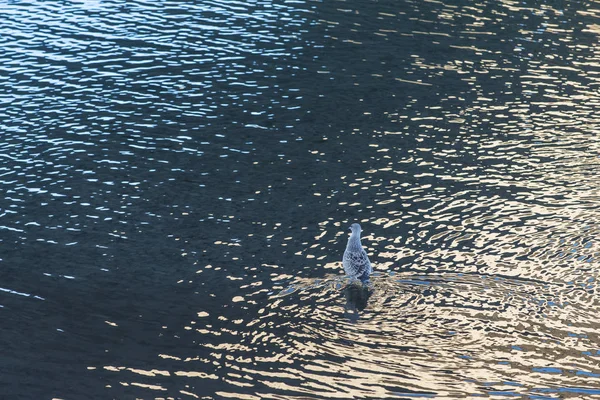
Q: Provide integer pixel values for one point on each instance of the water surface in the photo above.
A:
(178, 179)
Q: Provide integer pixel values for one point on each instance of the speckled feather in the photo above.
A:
(356, 262)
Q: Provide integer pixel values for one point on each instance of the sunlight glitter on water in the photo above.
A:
(179, 179)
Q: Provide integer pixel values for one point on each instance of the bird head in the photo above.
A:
(355, 228)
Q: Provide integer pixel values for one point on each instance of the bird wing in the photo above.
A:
(356, 262)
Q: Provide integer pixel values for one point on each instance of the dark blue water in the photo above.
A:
(178, 179)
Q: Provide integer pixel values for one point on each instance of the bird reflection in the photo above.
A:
(357, 296)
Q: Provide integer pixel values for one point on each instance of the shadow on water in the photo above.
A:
(357, 296)
(355, 292)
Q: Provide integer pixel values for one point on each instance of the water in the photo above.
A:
(178, 179)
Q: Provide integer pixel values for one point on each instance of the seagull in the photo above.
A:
(356, 262)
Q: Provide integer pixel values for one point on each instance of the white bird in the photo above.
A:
(356, 262)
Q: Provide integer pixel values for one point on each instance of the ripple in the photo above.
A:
(178, 179)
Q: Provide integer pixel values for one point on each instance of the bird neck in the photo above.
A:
(354, 242)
